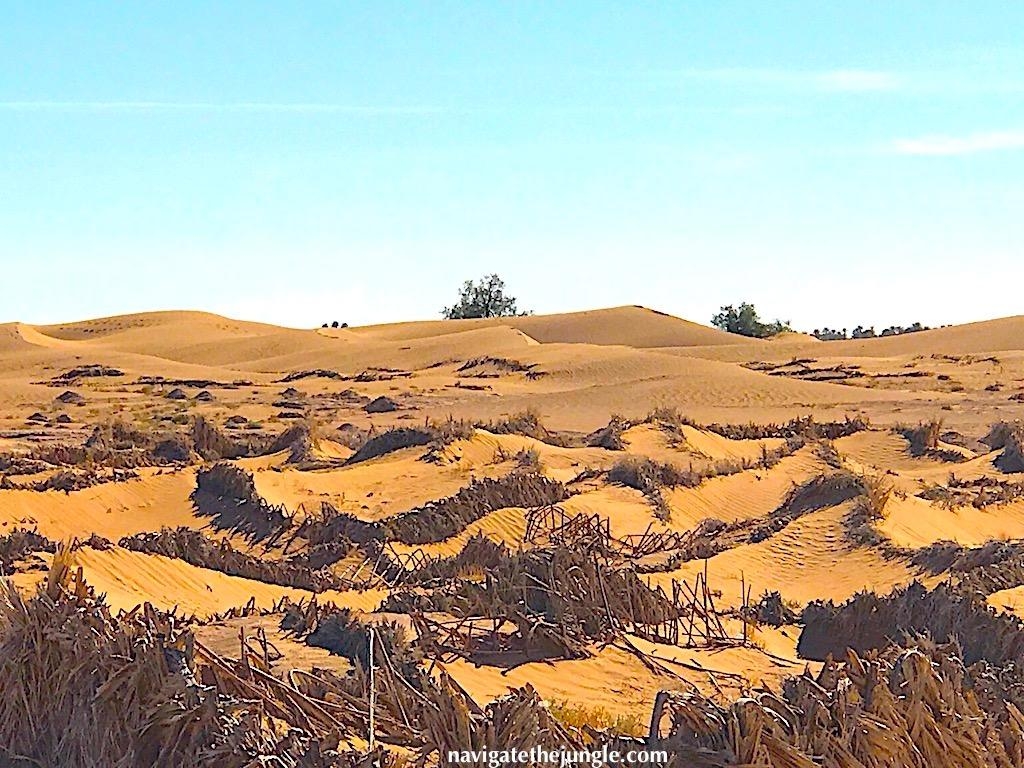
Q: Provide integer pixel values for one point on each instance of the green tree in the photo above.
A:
(744, 320)
(484, 298)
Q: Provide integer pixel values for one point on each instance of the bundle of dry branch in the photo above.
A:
(85, 688)
(200, 550)
(913, 707)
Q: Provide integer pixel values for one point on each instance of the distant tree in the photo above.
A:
(861, 332)
(744, 321)
(484, 298)
(829, 334)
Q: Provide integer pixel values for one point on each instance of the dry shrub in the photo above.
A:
(527, 460)
(526, 423)
(1008, 436)
(945, 614)
(923, 438)
(610, 435)
(68, 480)
(17, 544)
(826, 451)
(339, 631)
(315, 373)
(227, 493)
(870, 508)
(212, 444)
(390, 441)
(805, 427)
(15, 464)
(578, 716)
(329, 525)
(118, 445)
(905, 706)
(772, 610)
(647, 476)
(300, 440)
(980, 492)
(85, 688)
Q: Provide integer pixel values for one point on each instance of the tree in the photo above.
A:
(745, 322)
(484, 298)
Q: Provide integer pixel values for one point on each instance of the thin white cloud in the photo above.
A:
(858, 80)
(941, 146)
(830, 80)
(207, 106)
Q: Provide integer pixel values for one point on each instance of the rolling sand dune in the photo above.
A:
(627, 326)
(111, 510)
(532, 398)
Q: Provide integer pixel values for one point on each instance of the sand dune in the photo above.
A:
(628, 326)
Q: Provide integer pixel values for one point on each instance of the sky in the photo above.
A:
(836, 164)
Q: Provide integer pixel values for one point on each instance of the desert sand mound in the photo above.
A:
(628, 326)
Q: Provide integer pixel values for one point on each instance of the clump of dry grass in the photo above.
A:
(646, 475)
(528, 423)
(19, 543)
(924, 437)
(826, 451)
(577, 715)
(390, 441)
(118, 445)
(1008, 436)
(212, 444)
(610, 435)
(979, 493)
(649, 477)
(870, 508)
(805, 427)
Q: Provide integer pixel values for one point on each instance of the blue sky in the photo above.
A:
(835, 164)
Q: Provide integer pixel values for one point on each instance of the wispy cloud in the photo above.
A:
(974, 143)
(830, 80)
(210, 106)
(858, 80)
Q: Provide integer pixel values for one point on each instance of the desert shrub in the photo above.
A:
(526, 423)
(805, 427)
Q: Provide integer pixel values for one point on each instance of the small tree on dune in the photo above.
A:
(484, 298)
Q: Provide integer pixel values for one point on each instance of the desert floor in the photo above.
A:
(581, 399)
